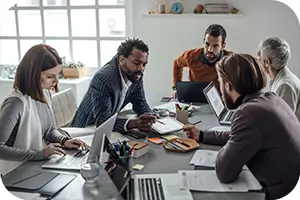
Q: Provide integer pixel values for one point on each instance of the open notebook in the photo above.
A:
(170, 125)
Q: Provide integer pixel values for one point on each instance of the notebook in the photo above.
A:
(206, 158)
(140, 148)
(169, 125)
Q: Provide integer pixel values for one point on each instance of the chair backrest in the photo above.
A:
(64, 107)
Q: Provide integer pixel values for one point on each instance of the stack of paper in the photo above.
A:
(206, 158)
(207, 181)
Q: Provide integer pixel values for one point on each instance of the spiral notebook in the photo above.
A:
(168, 125)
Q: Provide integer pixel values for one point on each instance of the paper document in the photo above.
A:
(169, 125)
(206, 158)
(207, 181)
(171, 106)
(220, 128)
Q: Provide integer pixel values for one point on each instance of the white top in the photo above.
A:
(125, 86)
(287, 86)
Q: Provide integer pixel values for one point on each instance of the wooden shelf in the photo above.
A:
(192, 15)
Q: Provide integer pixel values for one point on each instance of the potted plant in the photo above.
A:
(72, 69)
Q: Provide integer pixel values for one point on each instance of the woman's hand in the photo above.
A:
(191, 131)
(53, 149)
(75, 143)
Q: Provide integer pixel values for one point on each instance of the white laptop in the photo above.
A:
(159, 187)
(224, 115)
(75, 161)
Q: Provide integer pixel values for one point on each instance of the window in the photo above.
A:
(89, 31)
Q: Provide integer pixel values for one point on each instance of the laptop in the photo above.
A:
(191, 92)
(213, 97)
(160, 187)
(75, 161)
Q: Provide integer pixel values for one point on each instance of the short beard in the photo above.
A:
(228, 102)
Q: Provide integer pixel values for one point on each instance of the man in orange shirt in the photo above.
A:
(201, 61)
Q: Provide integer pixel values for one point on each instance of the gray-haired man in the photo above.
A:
(275, 53)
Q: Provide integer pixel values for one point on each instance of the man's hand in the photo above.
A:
(75, 143)
(191, 131)
(53, 149)
(143, 123)
(173, 94)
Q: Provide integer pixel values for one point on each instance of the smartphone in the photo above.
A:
(165, 99)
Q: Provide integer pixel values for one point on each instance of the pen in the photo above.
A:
(191, 124)
(175, 145)
(177, 106)
(160, 122)
(183, 143)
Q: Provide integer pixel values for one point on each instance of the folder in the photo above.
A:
(42, 182)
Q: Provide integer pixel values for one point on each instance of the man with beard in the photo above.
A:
(115, 85)
(201, 61)
(264, 135)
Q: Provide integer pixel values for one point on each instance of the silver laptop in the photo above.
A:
(75, 161)
(159, 187)
(224, 115)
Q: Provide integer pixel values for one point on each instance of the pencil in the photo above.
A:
(160, 122)
(181, 142)
(198, 122)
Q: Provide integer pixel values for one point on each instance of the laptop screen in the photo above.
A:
(215, 100)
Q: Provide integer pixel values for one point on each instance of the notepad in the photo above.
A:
(138, 167)
(207, 181)
(156, 140)
(169, 125)
(169, 137)
(206, 158)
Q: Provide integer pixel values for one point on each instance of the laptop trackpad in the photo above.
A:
(175, 191)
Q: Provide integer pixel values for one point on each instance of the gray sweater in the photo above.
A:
(9, 119)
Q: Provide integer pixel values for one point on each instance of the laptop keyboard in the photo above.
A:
(229, 117)
(151, 189)
(76, 160)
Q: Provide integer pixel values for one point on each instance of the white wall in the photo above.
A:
(169, 37)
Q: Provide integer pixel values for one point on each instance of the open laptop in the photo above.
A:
(212, 95)
(191, 91)
(160, 187)
(75, 161)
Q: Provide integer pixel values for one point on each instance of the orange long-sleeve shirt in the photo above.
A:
(199, 71)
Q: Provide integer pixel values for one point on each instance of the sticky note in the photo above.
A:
(156, 140)
(138, 167)
(170, 137)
